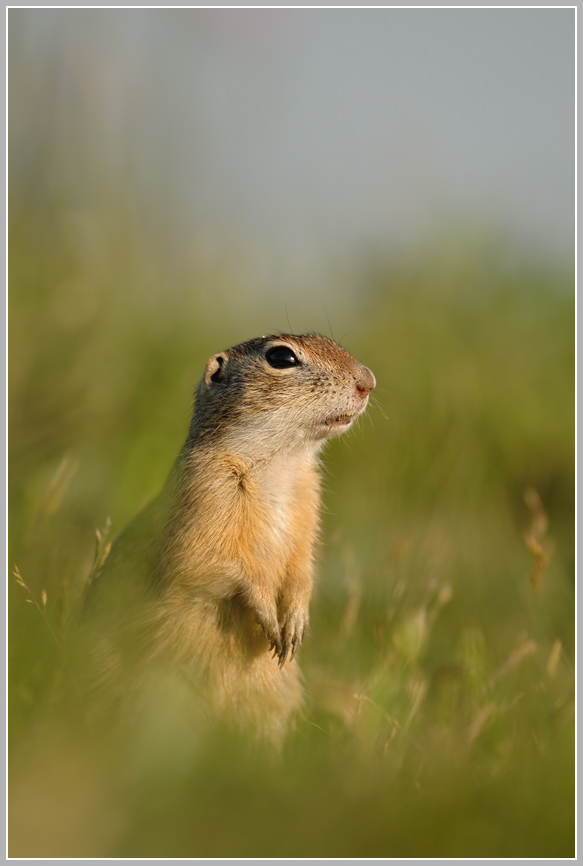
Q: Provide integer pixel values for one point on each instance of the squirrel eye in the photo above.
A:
(281, 357)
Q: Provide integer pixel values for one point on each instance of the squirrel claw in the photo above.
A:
(283, 653)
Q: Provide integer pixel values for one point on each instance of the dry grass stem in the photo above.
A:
(102, 548)
(554, 659)
(41, 610)
(533, 538)
(514, 660)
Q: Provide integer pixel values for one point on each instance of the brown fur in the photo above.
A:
(223, 559)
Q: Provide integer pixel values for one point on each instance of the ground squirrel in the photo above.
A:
(224, 555)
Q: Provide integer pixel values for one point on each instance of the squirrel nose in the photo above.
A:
(365, 381)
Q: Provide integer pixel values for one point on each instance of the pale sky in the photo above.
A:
(301, 133)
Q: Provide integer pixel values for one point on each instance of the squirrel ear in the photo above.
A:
(215, 368)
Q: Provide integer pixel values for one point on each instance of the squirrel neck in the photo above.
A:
(251, 445)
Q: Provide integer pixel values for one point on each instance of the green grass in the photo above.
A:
(439, 668)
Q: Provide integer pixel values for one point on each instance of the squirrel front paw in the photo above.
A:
(293, 623)
(267, 619)
(284, 628)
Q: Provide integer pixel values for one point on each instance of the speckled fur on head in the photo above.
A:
(242, 392)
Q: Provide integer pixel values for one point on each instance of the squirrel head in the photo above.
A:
(278, 392)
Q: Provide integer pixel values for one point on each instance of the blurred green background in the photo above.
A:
(440, 664)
